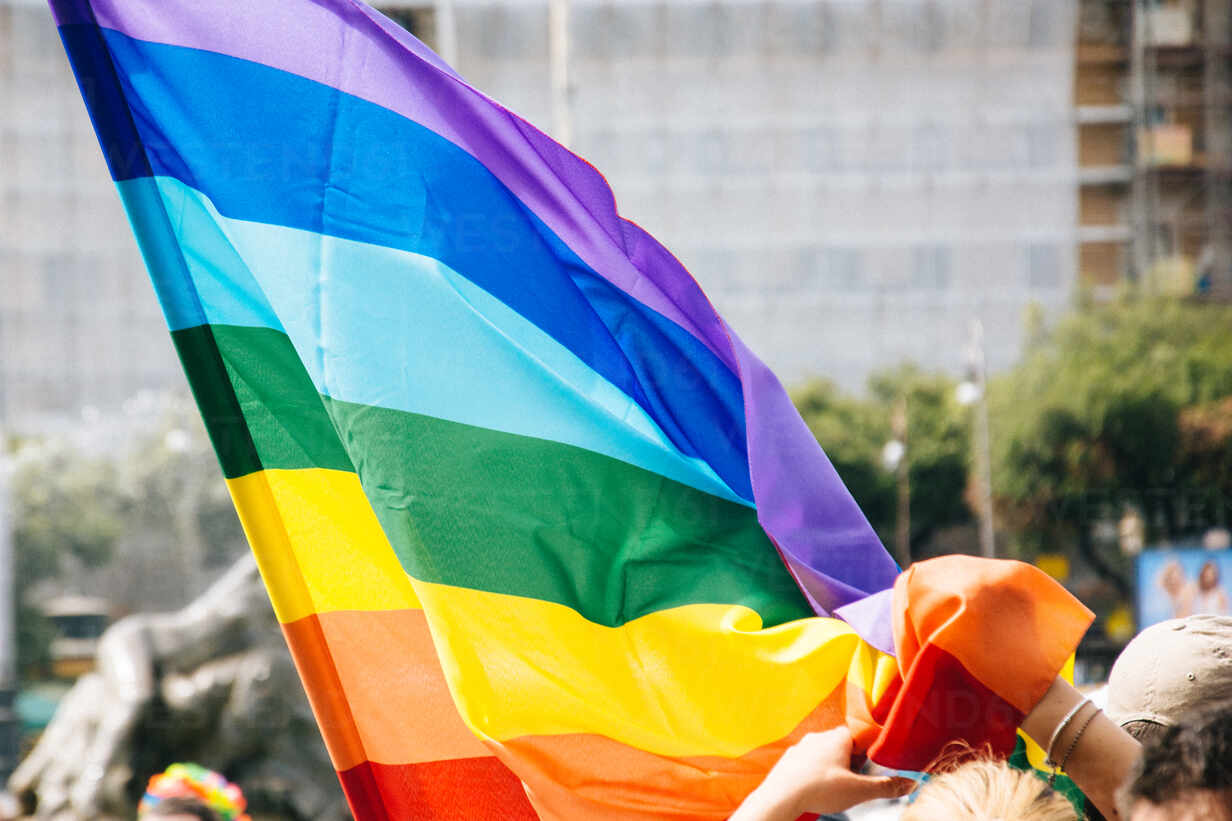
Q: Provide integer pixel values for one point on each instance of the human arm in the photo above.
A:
(815, 776)
(1103, 754)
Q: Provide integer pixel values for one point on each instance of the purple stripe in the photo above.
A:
(347, 45)
(801, 501)
(873, 619)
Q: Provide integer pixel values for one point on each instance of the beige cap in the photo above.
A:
(1171, 669)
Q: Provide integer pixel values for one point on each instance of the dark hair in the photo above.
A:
(1196, 755)
(181, 806)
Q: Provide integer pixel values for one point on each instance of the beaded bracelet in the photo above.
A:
(1073, 745)
(1052, 742)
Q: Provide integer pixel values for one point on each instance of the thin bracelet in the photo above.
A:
(1052, 742)
(1073, 745)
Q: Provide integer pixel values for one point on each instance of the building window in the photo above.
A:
(930, 265)
(824, 151)
(1043, 266)
(1043, 16)
(840, 269)
(59, 282)
(916, 24)
(928, 149)
(1042, 148)
(708, 155)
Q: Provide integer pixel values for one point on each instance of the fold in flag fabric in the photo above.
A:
(546, 540)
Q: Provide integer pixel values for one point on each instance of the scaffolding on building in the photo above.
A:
(1154, 85)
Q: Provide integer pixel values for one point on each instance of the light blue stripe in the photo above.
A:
(379, 326)
(199, 277)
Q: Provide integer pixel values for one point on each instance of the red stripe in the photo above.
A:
(465, 789)
(940, 702)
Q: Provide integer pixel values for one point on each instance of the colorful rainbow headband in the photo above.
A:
(195, 781)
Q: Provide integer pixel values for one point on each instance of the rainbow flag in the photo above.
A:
(545, 538)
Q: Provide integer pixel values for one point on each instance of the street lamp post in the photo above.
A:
(8, 622)
(974, 391)
(558, 54)
(895, 457)
(446, 32)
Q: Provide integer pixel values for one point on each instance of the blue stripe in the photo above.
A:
(268, 146)
(104, 95)
(409, 335)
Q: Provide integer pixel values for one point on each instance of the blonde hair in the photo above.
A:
(986, 790)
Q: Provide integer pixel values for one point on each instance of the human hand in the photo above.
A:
(815, 776)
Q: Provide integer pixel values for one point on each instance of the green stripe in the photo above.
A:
(211, 386)
(476, 508)
(260, 406)
(471, 507)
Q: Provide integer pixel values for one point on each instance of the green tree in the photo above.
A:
(1206, 452)
(140, 499)
(66, 508)
(180, 524)
(1091, 422)
(938, 447)
(853, 431)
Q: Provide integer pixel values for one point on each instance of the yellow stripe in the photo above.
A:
(318, 543)
(696, 680)
(873, 671)
(701, 679)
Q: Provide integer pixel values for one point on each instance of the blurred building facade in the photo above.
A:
(852, 181)
(79, 324)
(1153, 97)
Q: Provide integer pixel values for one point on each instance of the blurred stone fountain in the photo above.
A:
(211, 683)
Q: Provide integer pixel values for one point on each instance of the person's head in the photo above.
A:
(190, 792)
(1186, 775)
(1170, 670)
(982, 789)
(1172, 578)
(180, 809)
(1208, 577)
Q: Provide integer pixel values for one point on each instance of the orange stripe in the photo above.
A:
(1012, 627)
(329, 702)
(572, 777)
(377, 688)
(380, 695)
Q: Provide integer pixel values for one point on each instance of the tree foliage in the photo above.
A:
(133, 509)
(853, 431)
(65, 508)
(1118, 406)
